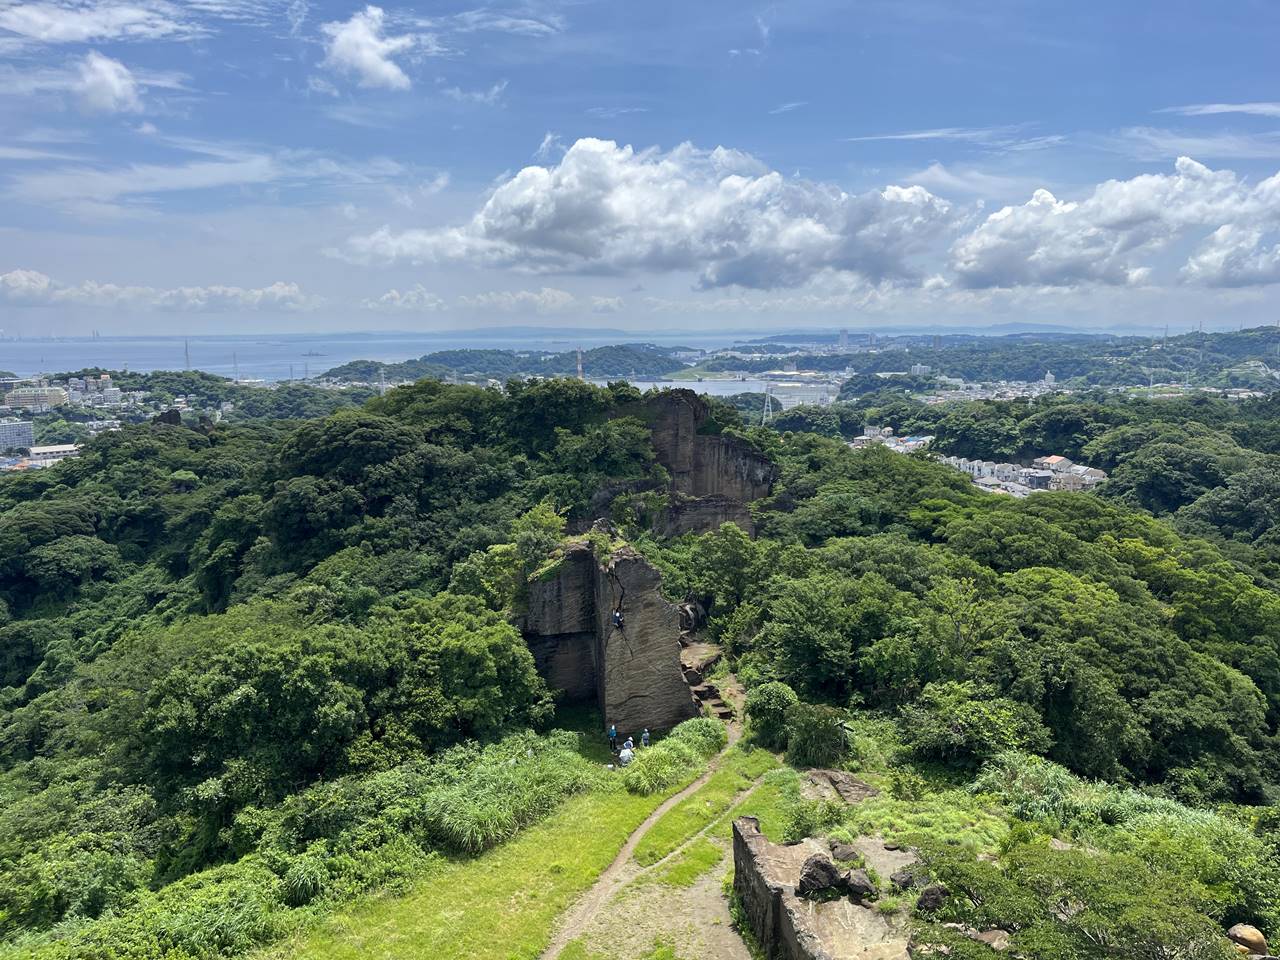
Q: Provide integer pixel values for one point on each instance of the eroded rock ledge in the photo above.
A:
(789, 927)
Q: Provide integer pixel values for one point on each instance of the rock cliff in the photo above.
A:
(634, 672)
(713, 477)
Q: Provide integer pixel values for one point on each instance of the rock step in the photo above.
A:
(706, 691)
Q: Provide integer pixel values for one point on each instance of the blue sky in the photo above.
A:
(226, 165)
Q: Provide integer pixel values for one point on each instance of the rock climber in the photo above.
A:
(617, 617)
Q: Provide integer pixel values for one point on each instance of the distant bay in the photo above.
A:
(294, 356)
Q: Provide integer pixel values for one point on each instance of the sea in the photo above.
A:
(298, 356)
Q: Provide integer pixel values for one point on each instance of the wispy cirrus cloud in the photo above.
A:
(137, 189)
(97, 83)
(1157, 143)
(53, 22)
(487, 96)
(1264, 108)
(33, 288)
(1014, 137)
(788, 107)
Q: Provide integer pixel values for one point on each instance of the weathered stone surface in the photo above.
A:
(703, 464)
(698, 514)
(641, 683)
(817, 876)
(1248, 936)
(932, 897)
(995, 939)
(837, 785)
(713, 477)
(790, 928)
(904, 879)
(634, 672)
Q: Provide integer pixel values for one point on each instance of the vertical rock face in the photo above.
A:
(633, 672)
(640, 678)
(704, 464)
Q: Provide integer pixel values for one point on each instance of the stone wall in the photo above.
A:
(633, 673)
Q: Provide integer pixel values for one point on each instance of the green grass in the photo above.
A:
(739, 769)
(691, 863)
(771, 802)
(953, 816)
(501, 904)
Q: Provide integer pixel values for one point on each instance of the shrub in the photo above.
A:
(816, 736)
(675, 757)
(965, 723)
(768, 707)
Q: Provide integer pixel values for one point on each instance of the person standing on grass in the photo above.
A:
(644, 737)
(628, 744)
(613, 738)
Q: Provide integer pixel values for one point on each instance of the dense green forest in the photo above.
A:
(1239, 359)
(620, 360)
(254, 670)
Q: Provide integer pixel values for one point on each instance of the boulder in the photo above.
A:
(817, 875)
(904, 879)
(859, 886)
(1247, 936)
(995, 939)
(932, 897)
(845, 852)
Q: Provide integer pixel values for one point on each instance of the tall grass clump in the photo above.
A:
(676, 757)
(334, 841)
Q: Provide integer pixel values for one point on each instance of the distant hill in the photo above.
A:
(620, 360)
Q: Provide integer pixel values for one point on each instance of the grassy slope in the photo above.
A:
(501, 904)
(736, 773)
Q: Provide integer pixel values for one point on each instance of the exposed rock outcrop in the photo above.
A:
(788, 927)
(713, 477)
(633, 672)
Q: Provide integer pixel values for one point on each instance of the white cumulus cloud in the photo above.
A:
(605, 208)
(107, 86)
(358, 46)
(1107, 237)
(546, 300)
(417, 299)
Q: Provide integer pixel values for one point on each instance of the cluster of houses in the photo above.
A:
(884, 437)
(1045, 473)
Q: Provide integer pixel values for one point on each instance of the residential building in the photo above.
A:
(16, 434)
(1055, 463)
(36, 398)
(49, 455)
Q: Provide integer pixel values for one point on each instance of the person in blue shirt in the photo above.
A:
(644, 737)
(613, 738)
(628, 744)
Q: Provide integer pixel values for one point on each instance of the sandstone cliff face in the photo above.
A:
(634, 672)
(703, 465)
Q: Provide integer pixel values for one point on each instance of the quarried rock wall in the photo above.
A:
(634, 672)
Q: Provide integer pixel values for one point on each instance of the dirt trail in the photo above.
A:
(623, 870)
